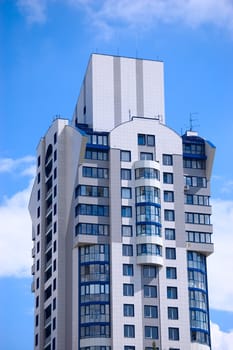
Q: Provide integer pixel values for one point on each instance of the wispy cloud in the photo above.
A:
(221, 262)
(15, 235)
(15, 227)
(221, 340)
(33, 10)
(109, 14)
(24, 166)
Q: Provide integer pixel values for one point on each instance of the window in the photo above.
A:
(150, 291)
(141, 139)
(125, 156)
(148, 140)
(127, 250)
(55, 173)
(55, 155)
(198, 237)
(167, 178)
(149, 271)
(173, 333)
(129, 331)
(195, 181)
(167, 159)
(125, 174)
(172, 313)
(55, 191)
(54, 344)
(146, 156)
(38, 178)
(92, 209)
(128, 289)
(126, 230)
(55, 138)
(194, 163)
(168, 196)
(92, 229)
(126, 192)
(96, 155)
(98, 139)
(172, 293)
(148, 230)
(171, 272)
(128, 310)
(38, 195)
(150, 311)
(38, 212)
(54, 304)
(37, 320)
(169, 215)
(194, 199)
(100, 173)
(127, 269)
(147, 173)
(55, 209)
(91, 191)
(171, 253)
(148, 213)
(147, 194)
(48, 292)
(38, 161)
(197, 218)
(149, 249)
(36, 339)
(129, 347)
(170, 234)
(194, 148)
(126, 212)
(151, 332)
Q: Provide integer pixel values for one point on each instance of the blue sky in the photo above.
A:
(45, 46)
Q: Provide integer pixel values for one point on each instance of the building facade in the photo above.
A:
(121, 212)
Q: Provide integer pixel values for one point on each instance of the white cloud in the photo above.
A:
(107, 14)
(149, 12)
(9, 165)
(220, 264)
(34, 10)
(15, 227)
(15, 235)
(221, 340)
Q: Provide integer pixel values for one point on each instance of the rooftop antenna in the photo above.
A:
(192, 120)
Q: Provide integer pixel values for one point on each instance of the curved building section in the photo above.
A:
(94, 293)
(198, 299)
(148, 212)
(197, 161)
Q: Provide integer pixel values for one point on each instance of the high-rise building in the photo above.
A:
(121, 220)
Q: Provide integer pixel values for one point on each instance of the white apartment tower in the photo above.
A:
(121, 213)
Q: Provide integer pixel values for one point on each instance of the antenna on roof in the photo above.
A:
(192, 120)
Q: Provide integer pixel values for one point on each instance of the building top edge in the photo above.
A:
(127, 57)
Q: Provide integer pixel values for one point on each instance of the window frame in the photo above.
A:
(125, 156)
